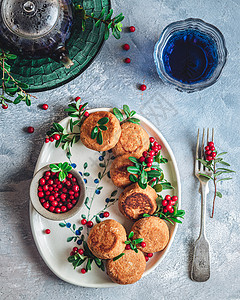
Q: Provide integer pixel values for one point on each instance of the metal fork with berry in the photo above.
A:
(201, 259)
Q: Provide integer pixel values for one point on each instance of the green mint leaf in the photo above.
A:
(134, 120)
(99, 138)
(94, 132)
(118, 114)
(142, 186)
(143, 177)
(132, 113)
(127, 111)
(137, 241)
(133, 170)
(103, 121)
(61, 176)
(133, 159)
(131, 234)
(117, 257)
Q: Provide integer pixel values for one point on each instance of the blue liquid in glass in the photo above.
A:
(190, 56)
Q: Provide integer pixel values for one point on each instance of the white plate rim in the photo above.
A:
(32, 210)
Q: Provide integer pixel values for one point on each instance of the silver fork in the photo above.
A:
(201, 259)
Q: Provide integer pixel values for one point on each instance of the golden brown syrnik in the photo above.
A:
(118, 171)
(110, 136)
(133, 140)
(154, 231)
(106, 239)
(127, 269)
(134, 201)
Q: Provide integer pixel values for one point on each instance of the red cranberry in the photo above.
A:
(89, 224)
(56, 137)
(141, 159)
(155, 144)
(171, 210)
(69, 206)
(59, 186)
(207, 148)
(46, 140)
(68, 183)
(69, 175)
(74, 202)
(167, 197)
(57, 210)
(155, 149)
(154, 179)
(40, 194)
(208, 158)
(50, 182)
(76, 195)
(77, 98)
(145, 153)
(47, 193)
(47, 231)
(159, 147)
(50, 188)
(211, 144)
(54, 203)
(46, 205)
(72, 253)
(63, 196)
(127, 60)
(149, 160)
(147, 258)
(42, 200)
(71, 192)
(60, 204)
(80, 251)
(150, 254)
(143, 87)
(106, 214)
(164, 210)
(51, 198)
(164, 203)
(143, 244)
(4, 106)
(131, 28)
(168, 207)
(83, 271)
(74, 179)
(214, 154)
(208, 152)
(40, 189)
(174, 198)
(126, 47)
(75, 249)
(75, 188)
(30, 129)
(151, 139)
(86, 114)
(45, 106)
(64, 190)
(42, 181)
(52, 208)
(71, 197)
(83, 221)
(151, 153)
(212, 148)
(149, 165)
(128, 247)
(47, 173)
(51, 139)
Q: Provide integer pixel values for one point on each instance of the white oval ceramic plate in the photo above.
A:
(54, 247)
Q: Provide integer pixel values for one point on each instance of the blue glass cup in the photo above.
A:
(190, 55)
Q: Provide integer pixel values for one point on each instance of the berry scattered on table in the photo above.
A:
(83, 270)
(45, 106)
(132, 28)
(127, 60)
(4, 106)
(30, 129)
(143, 87)
(47, 231)
(56, 196)
(126, 47)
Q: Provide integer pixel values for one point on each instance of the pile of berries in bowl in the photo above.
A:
(57, 197)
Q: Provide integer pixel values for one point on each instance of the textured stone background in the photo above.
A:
(109, 82)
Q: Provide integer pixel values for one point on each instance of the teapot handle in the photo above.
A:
(61, 55)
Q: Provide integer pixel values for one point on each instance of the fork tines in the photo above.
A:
(198, 165)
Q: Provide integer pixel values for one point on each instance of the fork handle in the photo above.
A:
(204, 192)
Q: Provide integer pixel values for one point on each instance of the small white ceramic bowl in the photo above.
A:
(46, 213)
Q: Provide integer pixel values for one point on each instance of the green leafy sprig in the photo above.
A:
(62, 168)
(140, 173)
(111, 23)
(97, 130)
(170, 217)
(77, 259)
(68, 139)
(216, 166)
(10, 86)
(133, 243)
(129, 115)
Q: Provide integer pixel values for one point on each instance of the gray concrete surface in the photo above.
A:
(110, 82)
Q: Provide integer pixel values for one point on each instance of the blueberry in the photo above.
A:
(80, 173)
(101, 158)
(96, 180)
(85, 180)
(97, 192)
(79, 242)
(68, 225)
(73, 165)
(107, 200)
(77, 232)
(101, 215)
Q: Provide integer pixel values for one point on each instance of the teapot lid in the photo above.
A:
(30, 18)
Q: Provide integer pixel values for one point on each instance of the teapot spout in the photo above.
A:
(61, 55)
